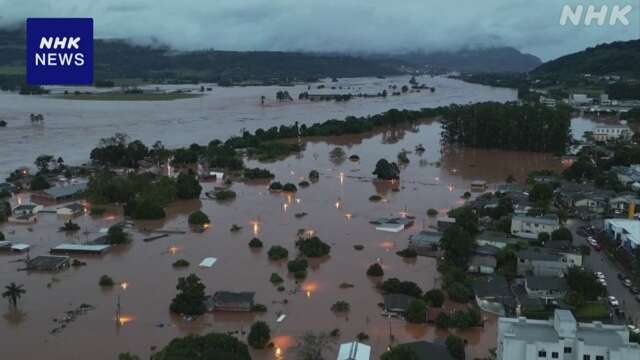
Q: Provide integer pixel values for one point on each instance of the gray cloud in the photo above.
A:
(336, 25)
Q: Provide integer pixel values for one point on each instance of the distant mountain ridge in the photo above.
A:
(481, 60)
(620, 57)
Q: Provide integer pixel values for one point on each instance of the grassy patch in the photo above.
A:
(12, 70)
(592, 311)
(120, 96)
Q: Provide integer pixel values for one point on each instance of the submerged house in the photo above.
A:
(425, 243)
(48, 263)
(354, 351)
(482, 264)
(60, 193)
(530, 227)
(70, 210)
(494, 295)
(397, 303)
(546, 288)
(231, 301)
(546, 261)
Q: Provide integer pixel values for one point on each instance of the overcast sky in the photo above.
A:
(336, 25)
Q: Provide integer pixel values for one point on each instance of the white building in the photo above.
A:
(354, 351)
(548, 102)
(626, 231)
(579, 99)
(563, 338)
(612, 132)
(529, 226)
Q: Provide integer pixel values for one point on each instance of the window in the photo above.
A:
(599, 357)
(567, 350)
(542, 354)
(586, 357)
(554, 355)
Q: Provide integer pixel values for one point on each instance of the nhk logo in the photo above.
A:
(589, 15)
(59, 51)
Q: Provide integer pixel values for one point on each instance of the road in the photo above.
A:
(598, 261)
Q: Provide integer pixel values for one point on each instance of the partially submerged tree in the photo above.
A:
(206, 347)
(313, 346)
(386, 171)
(259, 335)
(13, 292)
(190, 297)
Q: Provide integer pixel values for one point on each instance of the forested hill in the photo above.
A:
(117, 59)
(484, 60)
(621, 58)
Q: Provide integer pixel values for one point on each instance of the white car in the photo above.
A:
(599, 275)
(633, 329)
(613, 301)
(603, 282)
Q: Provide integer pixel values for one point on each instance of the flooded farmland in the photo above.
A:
(338, 209)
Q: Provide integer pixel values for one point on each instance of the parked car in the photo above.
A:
(635, 290)
(627, 283)
(620, 276)
(599, 275)
(638, 298)
(613, 301)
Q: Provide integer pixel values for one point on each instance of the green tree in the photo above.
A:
(190, 297)
(375, 270)
(541, 194)
(466, 218)
(128, 356)
(434, 297)
(417, 312)
(42, 163)
(277, 252)
(259, 335)
(312, 346)
(386, 171)
(455, 345)
(198, 218)
(543, 237)
(188, 186)
(562, 234)
(117, 236)
(585, 283)
(13, 292)
(400, 352)
(458, 246)
(39, 183)
(212, 346)
(313, 247)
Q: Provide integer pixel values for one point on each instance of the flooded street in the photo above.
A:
(338, 212)
(72, 128)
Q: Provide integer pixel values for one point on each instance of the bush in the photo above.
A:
(207, 347)
(289, 187)
(455, 345)
(116, 235)
(362, 337)
(375, 198)
(235, 228)
(39, 183)
(313, 247)
(407, 253)
(106, 281)
(180, 263)
(257, 173)
(303, 184)
(296, 265)
(395, 286)
(277, 252)
(358, 247)
(198, 218)
(275, 278)
(459, 292)
(432, 212)
(255, 243)
(417, 312)
(435, 297)
(314, 175)
(224, 195)
(275, 186)
(144, 209)
(259, 308)
(562, 234)
(386, 171)
(443, 321)
(187, 186)
(341, 306)
(299, 275)
(375, 270)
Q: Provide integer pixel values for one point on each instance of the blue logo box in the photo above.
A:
(60, 51)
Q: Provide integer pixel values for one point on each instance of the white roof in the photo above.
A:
(208, 262)
(20, 247)
(390, 227)
(631, 228)
(80, 247)
(354, 351)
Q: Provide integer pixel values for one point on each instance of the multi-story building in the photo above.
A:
(562, 337)
(530, 227)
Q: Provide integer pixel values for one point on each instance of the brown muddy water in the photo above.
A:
(72, 128)
(338, 212)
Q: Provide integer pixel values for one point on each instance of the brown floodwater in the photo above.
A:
(71, 128)
(338, 212)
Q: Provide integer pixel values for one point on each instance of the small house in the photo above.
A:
(482, 264)
(70, 210)
(494, 295)
(48, 263)
(530, 227)
(546, 288)
(60, 193)
(26, 209)
(425, 350)
(425, 242)
(232, 301)
(397, 303)
(444, 222)
(478, 186)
